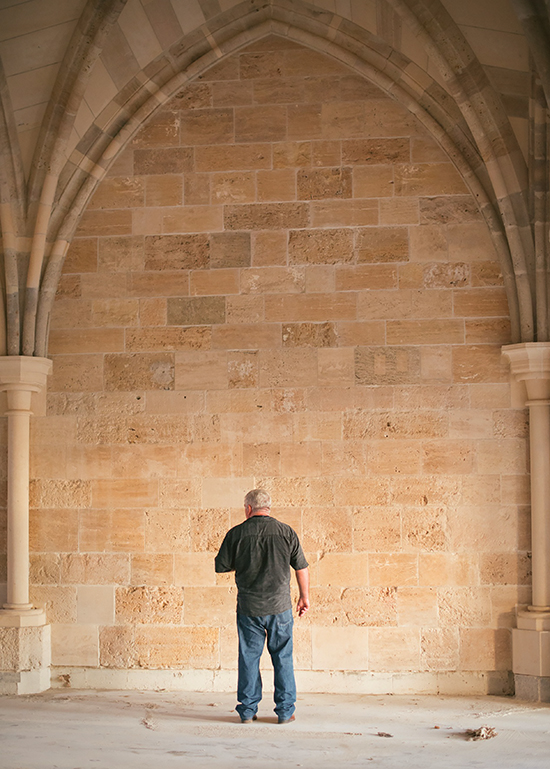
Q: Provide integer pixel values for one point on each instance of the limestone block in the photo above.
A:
(342, 570)
(285, 492)
(417, 607)
(358, 212)
(269, 248)
(154, 284)
(340, 648)
(503, 455)
(448, 569)
(505, 569)
(163, 130)
(227, 93)
(58, 601)
(243, 369)
(336, 367)
(163, 190)
(194, 569)
(470, 242)
(176, 252)
(129, 493)
(424, 529)
(263, 123)
(209, 527)
(176, 647)
(383, 244)
(326, 153)
(319, 279)
(312, 307)
(75, 645)
(95, 604)
(344, 458)
(82, 373)
(146, 371)
(211, 459)
(399, 211)
(330, 246)
(296, 154)
(143, 461)
(210, 606)
(24, 649)
(149, 605)
(246, 336)
(93, 569)
(81, 256)
(194, 96)
(266, 216)
(167, 531)
(479, 302)
(428, 179)
(399, 456)
(486, 274)
(44, 569)
(116, 647)
(179, 493)
(485, 649)
(448, 457)
(192, 219)
(60, 494)
(294, 367)
(361, 333)
(505, 600)
(376, 529)
(375, 151)
(201, 370)
(495, 331)
(53, 530)
(320, 183)
(440, 648)
(309, 335)
(229, 249)
(104, 222)
(196, 189)
(515, 489)
(273, 280)
(384, 366)
(122, 192)
(370, 607)
(233, 157)
(373, 181)
(304, 122)
(262, 459)
(399, 569)
(327, 529)
(300, 459)
(152, 569)
(429, 244)
(394, 648)
(450, 209)
(207, 126)
(464, 606)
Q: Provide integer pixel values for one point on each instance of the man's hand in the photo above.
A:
(302, 606)
(302, 577)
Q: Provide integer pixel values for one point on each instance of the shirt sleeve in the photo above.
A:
(297, 557)
(224, 560)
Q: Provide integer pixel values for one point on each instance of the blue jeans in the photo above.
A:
(252, 634)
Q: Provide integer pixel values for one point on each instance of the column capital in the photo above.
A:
(530, 364)
(24, 372)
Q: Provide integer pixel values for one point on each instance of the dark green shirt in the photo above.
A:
(261, 551)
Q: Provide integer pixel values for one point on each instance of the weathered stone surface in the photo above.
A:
(333, 246)
(196, 311)
(391, 365)
(309, 335)
(230, 249)
(176, 252)
(170, 160)
(149, 605)
(147, 371)
(266, 216)
(319, 183)
(383, 244)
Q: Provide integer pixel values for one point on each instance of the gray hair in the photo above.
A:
(258, 499)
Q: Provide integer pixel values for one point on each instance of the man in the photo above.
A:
(261, 551)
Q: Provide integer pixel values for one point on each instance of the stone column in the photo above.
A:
(24, 635)
(530, 365)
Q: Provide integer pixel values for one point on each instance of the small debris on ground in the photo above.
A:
(384, 734)
(483, 733)
(148, 723)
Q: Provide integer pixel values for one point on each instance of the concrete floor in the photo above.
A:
(65, 729)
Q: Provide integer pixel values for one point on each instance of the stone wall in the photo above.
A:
(283, 282)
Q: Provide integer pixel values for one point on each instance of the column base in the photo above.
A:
(532, 688)
(25, 657)
(531, 656)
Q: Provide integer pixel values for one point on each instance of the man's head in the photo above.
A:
(255, 501)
